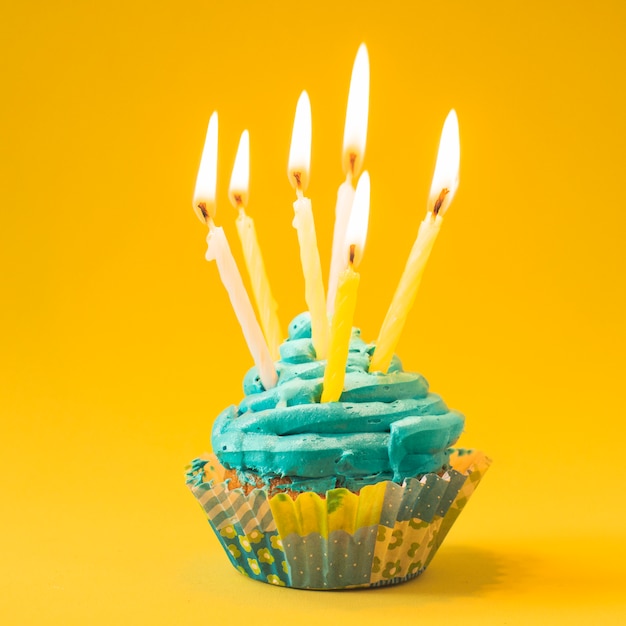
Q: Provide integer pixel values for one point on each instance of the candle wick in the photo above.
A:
(298, 178)
(442, 196)
(205, 213)
(238, 200)
(352, 253)
(353, 156)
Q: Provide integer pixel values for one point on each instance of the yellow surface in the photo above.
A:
(118, 345)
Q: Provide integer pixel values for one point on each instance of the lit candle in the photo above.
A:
(347, 288)
(206, 181)
(238, 194)
(219, 251)
(354, 139)
(298, 172)
(444, 185)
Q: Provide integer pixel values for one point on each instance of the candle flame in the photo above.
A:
(300, 151)
(355, 129)
(356, 231)
(446, 176)
(206, 181)
(240, 177)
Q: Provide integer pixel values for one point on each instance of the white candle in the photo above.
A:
(354, 140)
(219, 251)
(261, 290)
(298, 173)
(347, 289)
(443, 188)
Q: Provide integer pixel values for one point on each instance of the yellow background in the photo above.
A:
(118, 345)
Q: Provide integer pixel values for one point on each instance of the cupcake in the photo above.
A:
(334, 495)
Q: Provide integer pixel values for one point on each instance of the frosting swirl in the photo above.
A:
(385, 426)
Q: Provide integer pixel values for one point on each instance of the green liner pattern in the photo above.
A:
(385, 534)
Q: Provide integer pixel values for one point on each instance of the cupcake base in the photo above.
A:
(384, 535)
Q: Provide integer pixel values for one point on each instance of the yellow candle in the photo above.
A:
(298, 172)
(354, 140)
(219, 251)
(347, 289)
(340, 333)
(444, 185)
(405, 294)
(345, 198)
(265, 302)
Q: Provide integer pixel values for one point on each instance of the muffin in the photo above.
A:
(354, 493)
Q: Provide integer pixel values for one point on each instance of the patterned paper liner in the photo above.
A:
(386, 534)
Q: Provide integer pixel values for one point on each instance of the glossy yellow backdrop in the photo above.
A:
(118, 345)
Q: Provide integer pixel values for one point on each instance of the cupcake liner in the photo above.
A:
(385, 534)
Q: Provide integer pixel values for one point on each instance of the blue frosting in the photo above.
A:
(384, 427)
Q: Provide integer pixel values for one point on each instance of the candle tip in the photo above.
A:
(240, 176)
(439, 202)
(206, 181)
(300, 149)
(355, 129)
(446, 176)
(356, 230)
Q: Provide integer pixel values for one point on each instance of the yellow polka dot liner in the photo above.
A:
(385, 534)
